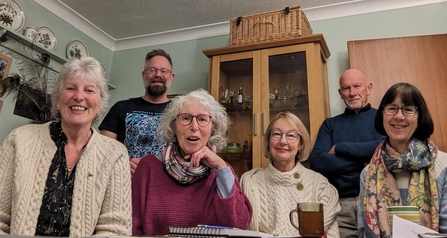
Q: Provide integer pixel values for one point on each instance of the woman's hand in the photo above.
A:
(207, 157)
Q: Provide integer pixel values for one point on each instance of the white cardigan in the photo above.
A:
(101, 197)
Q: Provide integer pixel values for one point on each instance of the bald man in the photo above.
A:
(345, 143)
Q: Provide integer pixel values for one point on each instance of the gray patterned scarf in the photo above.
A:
(179, 168)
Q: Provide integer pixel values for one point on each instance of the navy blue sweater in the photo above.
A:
(355, 139)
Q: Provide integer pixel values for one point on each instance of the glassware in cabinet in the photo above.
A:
(275, 76)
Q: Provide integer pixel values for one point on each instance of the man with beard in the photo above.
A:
(134, 122)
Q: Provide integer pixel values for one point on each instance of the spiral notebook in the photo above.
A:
(214, 232)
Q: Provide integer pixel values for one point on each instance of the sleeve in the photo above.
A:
(116, 211)
(361, 150)
(329, 197)
(225, 181)
(6, 177)
(245, 180)
(442, 193)
(360, 212)
(329, 164)
(234, 210)
(140, 183)
(112, 121)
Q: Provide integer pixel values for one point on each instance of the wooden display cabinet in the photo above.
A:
(286, 75)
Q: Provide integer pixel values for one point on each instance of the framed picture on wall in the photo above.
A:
(33, 104)
(5, 65)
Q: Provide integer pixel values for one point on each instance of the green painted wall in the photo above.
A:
(191, 65)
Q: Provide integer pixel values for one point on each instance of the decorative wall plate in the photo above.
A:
(46, 38)
(11, 15)
(76, 49)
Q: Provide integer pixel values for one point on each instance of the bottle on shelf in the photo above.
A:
(245, 148)
(240, 95)
(230, 106)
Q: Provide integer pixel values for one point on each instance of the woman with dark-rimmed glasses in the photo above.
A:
(406, 169)
(188, 184)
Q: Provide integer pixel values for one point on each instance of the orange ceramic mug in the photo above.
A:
(310, 219)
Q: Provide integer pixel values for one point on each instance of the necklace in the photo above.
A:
(70, 168)
(78, 155)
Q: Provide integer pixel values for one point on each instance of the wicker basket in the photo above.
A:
(275, 25)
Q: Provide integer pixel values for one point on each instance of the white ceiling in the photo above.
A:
(124, 24)
(123, 19)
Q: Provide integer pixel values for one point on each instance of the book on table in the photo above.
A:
(214, 231)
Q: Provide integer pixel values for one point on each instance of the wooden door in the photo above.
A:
(418, 60)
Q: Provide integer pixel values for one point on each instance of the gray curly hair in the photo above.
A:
(86, 68)
(220, 120)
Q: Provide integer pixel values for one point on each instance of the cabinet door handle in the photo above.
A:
(263, 124)
(255, 124)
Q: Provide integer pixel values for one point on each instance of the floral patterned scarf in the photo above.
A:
(381, 189)
(179, 168)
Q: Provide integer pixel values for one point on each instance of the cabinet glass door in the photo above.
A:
(236, 94)
(288, 89)
(289, 75)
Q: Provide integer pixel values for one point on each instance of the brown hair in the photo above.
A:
(159, 52)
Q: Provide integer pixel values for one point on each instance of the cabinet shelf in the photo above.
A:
(230, 154)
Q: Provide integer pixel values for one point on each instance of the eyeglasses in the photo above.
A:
(290, 136)
(186, 119)
(406, 110)
(153, 71)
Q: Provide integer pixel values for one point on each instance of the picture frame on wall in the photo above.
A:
(5, 65)
(33, 104)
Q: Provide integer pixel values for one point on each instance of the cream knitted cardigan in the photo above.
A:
(273, 194)
(102, 193)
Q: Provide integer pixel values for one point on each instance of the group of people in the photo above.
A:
(63, 178)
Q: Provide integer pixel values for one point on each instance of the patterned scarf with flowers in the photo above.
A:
(381, 189)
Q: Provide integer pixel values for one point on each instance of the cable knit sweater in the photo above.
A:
(273, 194)
(101, 196)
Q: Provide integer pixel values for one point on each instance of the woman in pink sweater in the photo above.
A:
(188, 184)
